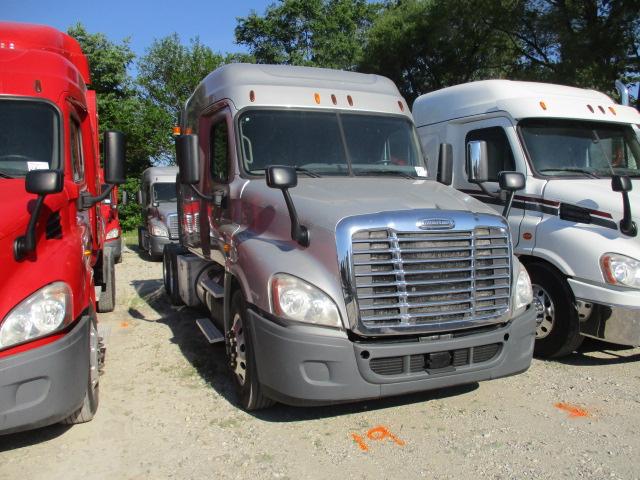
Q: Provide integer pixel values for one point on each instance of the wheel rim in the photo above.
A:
(238, 350)
(545, 311)
(94, 356)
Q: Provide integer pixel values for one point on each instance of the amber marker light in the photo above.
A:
(350, 100)
(176, 130)
(226, 248)
(543, 105)
(252, 96)
(612, 110)
(316, 97)
(527, 236)
(401, 106)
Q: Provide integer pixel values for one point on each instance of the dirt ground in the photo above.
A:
(168, 410)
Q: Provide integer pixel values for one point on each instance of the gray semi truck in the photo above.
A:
(157, 197)
(334, 270)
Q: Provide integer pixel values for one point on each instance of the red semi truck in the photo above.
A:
(51, 245)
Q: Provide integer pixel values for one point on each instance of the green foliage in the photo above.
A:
(321, 33)
(424, 45)
(131, 213)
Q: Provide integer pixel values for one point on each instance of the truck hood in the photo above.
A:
(164, 209)
(595, 195)
(323, 202)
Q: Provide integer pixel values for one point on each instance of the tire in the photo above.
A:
(118, 259)
(169, 273)
(558, 334)
(242, 359)
(107, 299)
(91, 399)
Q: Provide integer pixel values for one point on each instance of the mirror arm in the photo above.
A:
(627, 225)
(508, 203)
(86, 200)
(200, 194)
(487, 192)
(299, 233)
(26, 243)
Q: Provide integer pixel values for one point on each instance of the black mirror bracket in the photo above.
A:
(299, 233)
(25, 244)
(622, 184)
(87, 200)
(200, 194)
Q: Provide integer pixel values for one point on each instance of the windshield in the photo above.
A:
(590, 149)
(164, 192)
(330, 143)
(28, 137)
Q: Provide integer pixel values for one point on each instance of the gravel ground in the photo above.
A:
(168, 410)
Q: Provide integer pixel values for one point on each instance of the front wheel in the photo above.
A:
(242, 359)
(170, 273)
(91, 399)
(558, 332)
(107, 299)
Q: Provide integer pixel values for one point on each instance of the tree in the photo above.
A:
(586, 43)
(424, 45)
(322, 33)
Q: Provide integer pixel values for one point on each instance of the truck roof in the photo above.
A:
(291, 86)
(24, 36)
(160, 174)
(519, 100)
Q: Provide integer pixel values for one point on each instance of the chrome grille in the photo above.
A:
(172, 223)
(423, 279)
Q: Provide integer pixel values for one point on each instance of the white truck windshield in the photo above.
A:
(591, 149)
(164, 192)
(330, 143)
(28, 137)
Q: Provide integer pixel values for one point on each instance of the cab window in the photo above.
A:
(219, 152)
(500, 156)
(77, 160)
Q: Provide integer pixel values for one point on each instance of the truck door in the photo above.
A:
(216, 213)
(505, 154)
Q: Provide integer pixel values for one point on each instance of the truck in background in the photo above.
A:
(51, 245)
(574, 226)
(157, 196)
(333, 269)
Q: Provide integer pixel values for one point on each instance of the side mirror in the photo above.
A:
(511, 181)
(621, 183)
(477, 161)
(445, 164)
(282, 177)
(44, 182)
(139, 197)
(187, 153)
(114, 159)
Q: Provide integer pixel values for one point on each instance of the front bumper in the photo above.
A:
(300, 368)
(156, 244)
(616, 317)
(45, 385)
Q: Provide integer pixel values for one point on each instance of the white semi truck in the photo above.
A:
(574, 225)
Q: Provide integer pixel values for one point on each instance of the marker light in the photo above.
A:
(334, 99)
(316, 96)
(176, 130)
(590, 108)
(252, 96)
(601, 108)
(612, 110)
(350, 100)
(543, 105)
(401, 106)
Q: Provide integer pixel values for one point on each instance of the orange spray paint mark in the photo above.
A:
(572, 410)
(377, 434)
(124, 324)
(360, 441)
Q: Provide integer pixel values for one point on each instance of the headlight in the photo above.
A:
(158, 229)
(620, 270)
(113, 233)
(523, 294)
(44, 312)
(297, 300)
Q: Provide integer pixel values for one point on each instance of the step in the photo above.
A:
(209, 330)
(215, 289)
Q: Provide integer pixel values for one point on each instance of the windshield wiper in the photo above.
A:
(576, 170)
(394, 173)
(308, 172)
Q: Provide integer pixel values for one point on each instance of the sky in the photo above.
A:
(141, 20)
